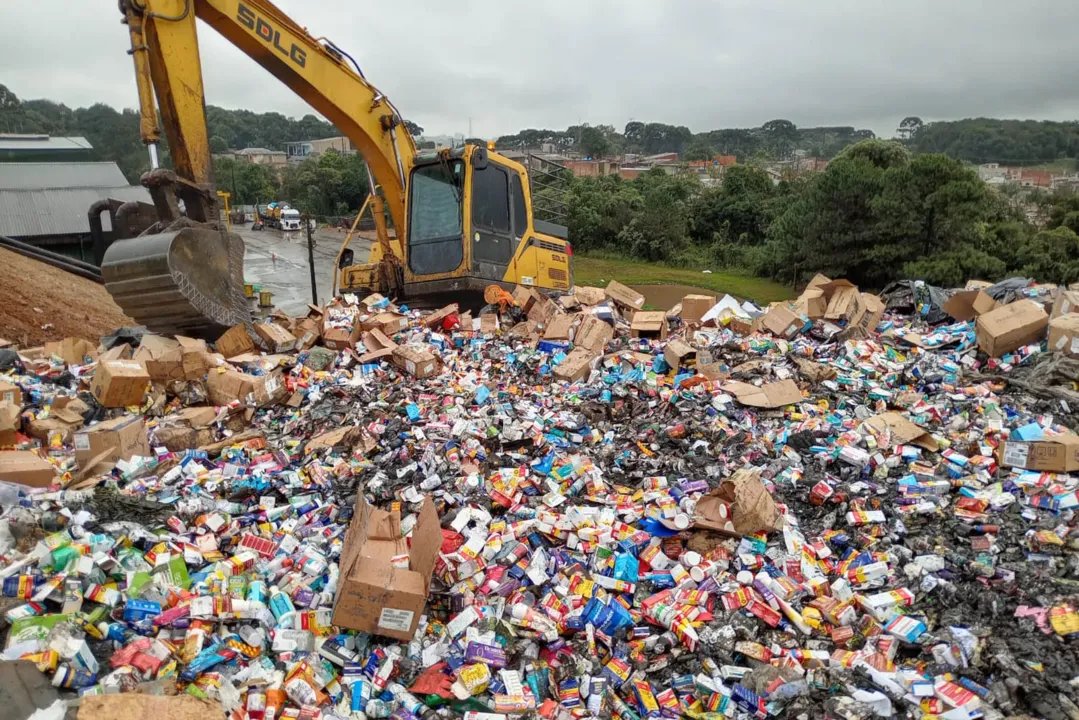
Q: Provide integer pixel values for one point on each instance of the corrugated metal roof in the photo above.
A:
(36, 176)
(43, 142)
(57, 211)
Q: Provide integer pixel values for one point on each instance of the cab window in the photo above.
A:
(490, 198)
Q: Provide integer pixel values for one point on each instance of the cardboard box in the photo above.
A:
(384, 579)
(740, 505)
(340, 338)
(162, 357)
(625, 296)
(187, 429)
(307, 332)
(594, 334)
(10, 423)
(389, 323)
(587, 295)
(226, 385)
(277, 338)
(73, 351)
(812, 303)
(576, 366)
(125, 437)
(434, 320)
(872, 312)
(1059, 453)
(489, 324)
(966, 305)
(782, 322)
(1064, 334)
(560, 327)
(744, 326)
(695, 306)
(1067, 302)
(417, 362)
(26, 468)
(652, 325)
(1001, 331)
(679, 354)
(523, 298)
(120, 383)
(378, 346)
(235, 341)
(122, 351)
(10, 393)
(902, 431)
(842, 299)
(543, 309)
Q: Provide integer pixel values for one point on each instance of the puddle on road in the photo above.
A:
(667, 296)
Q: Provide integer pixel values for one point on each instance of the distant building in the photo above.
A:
(42, 148)
(275, 159)
(592, 168)
(716, 161)
(437, 142)
(991, 171)
(303, 149)
(47, 203)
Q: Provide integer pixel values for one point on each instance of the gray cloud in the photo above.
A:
(702, 63)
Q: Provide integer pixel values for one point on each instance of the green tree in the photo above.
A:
(1052, 255)
(781, 137)
(594, 142)
(218, 144)
(699, 148)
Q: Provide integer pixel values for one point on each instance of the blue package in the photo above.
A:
(626, 567)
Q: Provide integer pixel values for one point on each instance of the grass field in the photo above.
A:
(598, 271)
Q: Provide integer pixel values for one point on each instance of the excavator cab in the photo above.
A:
(469, 225)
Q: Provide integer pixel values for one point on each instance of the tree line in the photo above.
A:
(877, 213)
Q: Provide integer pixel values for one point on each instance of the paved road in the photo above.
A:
(278, 262)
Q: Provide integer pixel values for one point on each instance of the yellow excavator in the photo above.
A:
(462, 218)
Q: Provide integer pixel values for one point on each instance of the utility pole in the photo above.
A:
(311, 259)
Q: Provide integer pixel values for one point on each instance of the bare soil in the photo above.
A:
(39, 303)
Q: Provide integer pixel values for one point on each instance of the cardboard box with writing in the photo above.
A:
(651, 325)
(10, 423)
(966, 305)
(842, 299)
(378, 346)
(389, 323)
(235, 341)
(782, 322)
(125, 437)
(385, 579)
(576, 366)
(26, 468)
(340, 338)
(225, 386)
(417, 362)
(744, 326)
(10, 393)
(1064, 334)
(1067, 301)
(695, 306)
(120, 383)
(162, 357)
(624, 296)
(307, 332)
(277, 338)
(679, 354)
(1059, 453)
(1009, 327)
(594, 334)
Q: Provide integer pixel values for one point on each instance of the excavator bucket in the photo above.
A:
(184, 282)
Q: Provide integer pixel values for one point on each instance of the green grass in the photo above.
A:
(599, 271)
(1064, 165)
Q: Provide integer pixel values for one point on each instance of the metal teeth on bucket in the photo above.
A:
(183, 282)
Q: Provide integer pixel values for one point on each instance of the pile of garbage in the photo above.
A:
(563, 507)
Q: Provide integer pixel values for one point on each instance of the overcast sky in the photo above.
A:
(508, 64)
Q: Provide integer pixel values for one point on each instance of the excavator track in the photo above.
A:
(183, 282)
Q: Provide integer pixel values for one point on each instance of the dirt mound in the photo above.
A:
(39, 303)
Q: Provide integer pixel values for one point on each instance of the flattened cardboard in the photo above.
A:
(1007, 328)
(523, 298)
(769, 395)
(694, 307)
(594, 334)
(489, 324)
(814, 371)
(560, 327)
(122, 351)
(26, 468)
(1067, 301)
(1059, 453)
(625, 296)
(118, 439)
(417, 362)
(277, 338)
(120, 383)
(752, 507)
(378, 346)
(134, 706)
(713, 371)
(11, 393)
(902, 431)
(235, 341)
(61, 420)
(966, 305)
(647, 324)
(543, 309)
(576, 366)
(434, 320)
(1064, 334)
(373, 596)
(781, 322)
(680, 354)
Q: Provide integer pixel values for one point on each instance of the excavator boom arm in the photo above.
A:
(164, 45)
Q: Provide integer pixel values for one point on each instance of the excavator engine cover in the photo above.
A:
(185, 282)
